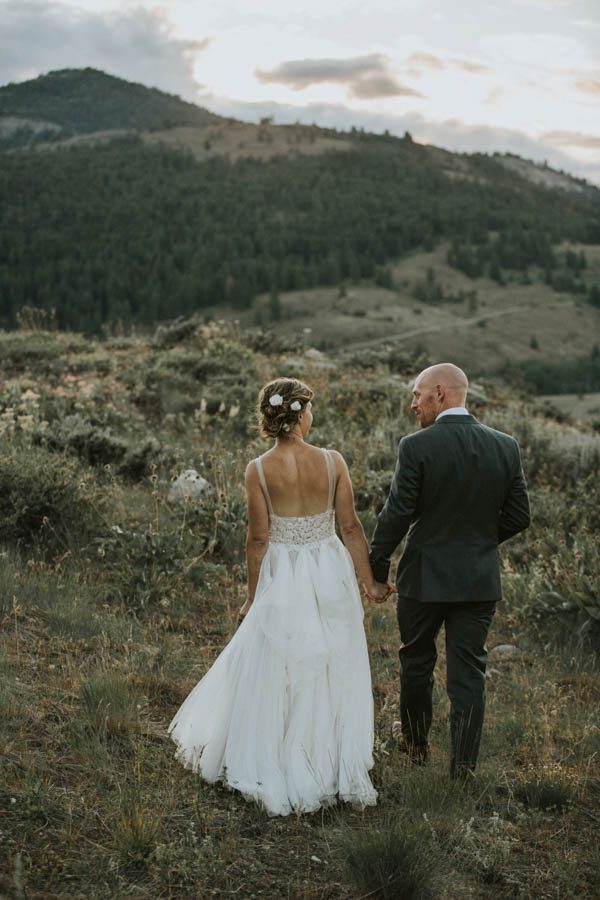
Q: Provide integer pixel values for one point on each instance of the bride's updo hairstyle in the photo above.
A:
(275, 400)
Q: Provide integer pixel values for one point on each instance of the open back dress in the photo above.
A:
(285, 713)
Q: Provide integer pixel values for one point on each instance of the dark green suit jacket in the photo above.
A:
(459, 491)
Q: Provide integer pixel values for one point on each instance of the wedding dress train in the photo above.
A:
(285, 713)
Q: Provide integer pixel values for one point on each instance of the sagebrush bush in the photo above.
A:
(552, 453)
(175, 381)
(143, 567)
(553, 586)
(545, 793)
(97, 445)
(44, 349)
(173, 333)
(77, 434)
(46, 500)
(393, 862)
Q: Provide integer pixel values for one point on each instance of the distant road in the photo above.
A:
(416, 332)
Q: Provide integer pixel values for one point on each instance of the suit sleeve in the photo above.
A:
(399, 511)
(515, 515)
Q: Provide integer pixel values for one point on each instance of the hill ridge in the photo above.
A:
(34, 112)
(81, 101)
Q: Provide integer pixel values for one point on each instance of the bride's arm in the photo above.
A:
(351, 528)
(257, 538)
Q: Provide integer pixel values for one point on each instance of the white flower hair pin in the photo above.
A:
(276, 400)
(296, 405)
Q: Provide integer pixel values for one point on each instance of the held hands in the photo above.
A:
(379, 593)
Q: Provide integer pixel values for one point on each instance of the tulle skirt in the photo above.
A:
(285, 713)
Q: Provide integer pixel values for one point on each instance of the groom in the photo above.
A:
(459, 491)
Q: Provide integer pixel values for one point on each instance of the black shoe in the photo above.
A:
(463, 772)
(417, 753)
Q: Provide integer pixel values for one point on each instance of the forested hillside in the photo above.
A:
(141, 233)
(137, 232)
(80, 101)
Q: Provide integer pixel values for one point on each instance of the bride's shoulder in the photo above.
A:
(252, 468)
(340, 462)
(255, 462)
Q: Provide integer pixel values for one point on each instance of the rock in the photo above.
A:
(506, 651)
(189, 486)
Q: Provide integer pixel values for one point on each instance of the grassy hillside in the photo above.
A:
(114, 602)
(481, 324)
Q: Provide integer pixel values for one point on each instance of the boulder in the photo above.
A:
(189, 486)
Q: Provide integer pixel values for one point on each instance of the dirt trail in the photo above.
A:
(416, 332)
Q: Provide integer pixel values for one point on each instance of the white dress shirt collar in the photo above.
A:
(453, 411)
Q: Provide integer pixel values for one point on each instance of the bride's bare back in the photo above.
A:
(297, 479)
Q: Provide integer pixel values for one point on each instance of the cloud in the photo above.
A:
(466, 66)
(588, 85)
(136, 44)
(420, 60)
(426, 60)
(365, 77)
(451, 134)
(572, 139)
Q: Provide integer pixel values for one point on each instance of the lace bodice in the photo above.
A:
(301, 530)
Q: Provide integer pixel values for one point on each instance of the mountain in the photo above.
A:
(81, 101)
(143, 207)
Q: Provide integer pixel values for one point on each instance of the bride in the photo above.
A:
(285, 714)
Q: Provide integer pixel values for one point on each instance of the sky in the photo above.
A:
(518, 76)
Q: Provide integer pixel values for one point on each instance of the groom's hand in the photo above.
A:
(378, 592)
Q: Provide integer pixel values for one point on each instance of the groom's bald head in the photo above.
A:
(437, 388)
(448, 376)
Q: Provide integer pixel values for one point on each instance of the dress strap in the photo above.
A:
(331, 476)
(263, 483)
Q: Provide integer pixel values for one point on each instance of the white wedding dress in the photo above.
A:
(285, 713)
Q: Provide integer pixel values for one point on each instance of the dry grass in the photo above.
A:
(93, 803)
(500, 329)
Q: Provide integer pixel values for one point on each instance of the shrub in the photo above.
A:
(392, 863)
(551, 452)
(172, 333)
(77, 434)
(138, 458)
(18, 350)
(46, 500)
(544, 793)
(143, 565)
(98, 446)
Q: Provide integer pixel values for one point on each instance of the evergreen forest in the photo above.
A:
(138, 233)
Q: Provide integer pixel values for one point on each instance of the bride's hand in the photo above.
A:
(378, 593)
(244, 610)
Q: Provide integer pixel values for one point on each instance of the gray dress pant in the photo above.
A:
(467, 626)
